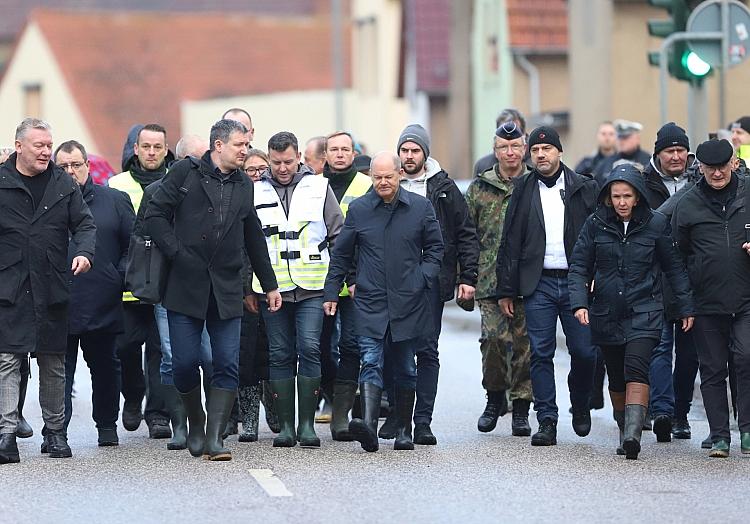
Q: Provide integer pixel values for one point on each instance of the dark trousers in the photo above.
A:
(428, 361)
(348, 369)
(253, 350)
(100, 356)
(719, 339)
(628, 362)
(140, 328)
(329, 361)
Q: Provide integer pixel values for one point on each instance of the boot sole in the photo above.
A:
(405, 446)
(285, 443)
(719, 454)
(10, 459)
(745, 451)
(662, 430)
(366, 439)
(632, 447)
(340, 436)
(487, 429)
(522, 432)
(109, 444)
(247, 438)
(219, 457)
(309, 443)
(171, 446)
(61, 455)
(544, 443)
(25, 434)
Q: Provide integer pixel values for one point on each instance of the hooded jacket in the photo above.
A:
(626, 268)
(660, 187)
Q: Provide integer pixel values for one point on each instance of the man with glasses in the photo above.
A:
(487, 199)
(488, 161)
(96, 297)
(545, 215)
(710, 227)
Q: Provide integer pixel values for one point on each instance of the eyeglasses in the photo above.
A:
(75, 165)
(710, 170)
(253, 170)
(515, 148)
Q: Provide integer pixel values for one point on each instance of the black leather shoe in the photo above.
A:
(8, 449)
(57, 445)
(582, 422)
(159, 428)
(131, 415)
(520, 424)
(423, 435)
(23, 428)
(108, 437)
(663, 428)
(547, 434)
(497, 406)
(681, 429)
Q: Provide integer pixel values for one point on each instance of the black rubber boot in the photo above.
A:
(618, 413)
(196, 437)
(249, 412)
(390, 427)
(636, 402)
(520, 423)
(8, 449)
(283, 399)
(218, 411)
(23, 428)
(343, 401)
(178, 416)
(405, 412)
(663, 428)
(270, 408)
(365, 430)
(497, 406)
(232, 427)
(308, 391)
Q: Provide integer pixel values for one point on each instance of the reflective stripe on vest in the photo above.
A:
(297, 245)
(359, 185)
(127, 184)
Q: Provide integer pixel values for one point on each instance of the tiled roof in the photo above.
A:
(134, 67)
(538, 25)
(14, 12)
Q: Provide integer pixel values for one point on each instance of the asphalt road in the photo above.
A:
(467, 477)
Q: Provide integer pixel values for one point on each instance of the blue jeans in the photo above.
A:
(400, 357)
(165, 368)
(672, 392)
(660, 373)
(186, 333)
(550, 301)
(294, 332)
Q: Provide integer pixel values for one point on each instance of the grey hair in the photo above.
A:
(395, 158)
(31, 123)
(189, 145)
(223, 129)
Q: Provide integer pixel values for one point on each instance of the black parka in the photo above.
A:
(626, 269)
(35, 275)
(711, 242)
(214, 218)
(96, 296)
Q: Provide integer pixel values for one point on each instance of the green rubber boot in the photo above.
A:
(218, 410)
(196, 437)
(308, 391)
(283, 400)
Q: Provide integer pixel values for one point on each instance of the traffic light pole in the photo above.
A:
(664, 57)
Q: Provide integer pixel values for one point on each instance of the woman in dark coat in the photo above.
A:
(615, 287)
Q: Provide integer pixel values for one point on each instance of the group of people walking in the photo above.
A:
(291, 281)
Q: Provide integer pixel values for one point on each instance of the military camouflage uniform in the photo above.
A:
(487, 199)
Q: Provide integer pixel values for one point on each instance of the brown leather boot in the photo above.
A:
(636, 405)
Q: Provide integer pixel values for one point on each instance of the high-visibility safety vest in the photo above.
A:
(359, 185)
(127, 184)
(297, 244)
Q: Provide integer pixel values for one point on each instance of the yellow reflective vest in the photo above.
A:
(298, 243)
(127, 184)
(359, 185)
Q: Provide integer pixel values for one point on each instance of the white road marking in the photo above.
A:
(270, 483)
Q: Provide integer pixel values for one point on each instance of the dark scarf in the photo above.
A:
(550, 181)
(339, 180)
(145, 177)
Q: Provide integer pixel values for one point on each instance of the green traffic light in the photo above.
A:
(695, 65)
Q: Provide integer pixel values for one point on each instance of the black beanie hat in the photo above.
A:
(545, 135)
(670, 135)
(743, 123)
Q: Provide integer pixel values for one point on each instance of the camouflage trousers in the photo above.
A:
(505, 350)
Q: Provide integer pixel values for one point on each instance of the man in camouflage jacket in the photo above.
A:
(487, 199)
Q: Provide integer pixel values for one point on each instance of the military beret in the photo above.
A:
(714, 152)
(509, 131)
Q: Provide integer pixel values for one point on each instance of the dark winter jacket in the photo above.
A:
(520, 259)
(35, 276)
(400, 250)
(459, 235)
(96, 296)
(711, 240)
(657, 191)
(589, 164)
(602, 171)
(626, 269)
(213, 220)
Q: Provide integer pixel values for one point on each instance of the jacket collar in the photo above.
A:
(402, 197)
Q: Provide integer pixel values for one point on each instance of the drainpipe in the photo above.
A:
(533, 73)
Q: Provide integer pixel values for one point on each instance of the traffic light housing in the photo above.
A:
(682, 63)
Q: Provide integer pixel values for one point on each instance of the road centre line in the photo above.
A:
(272, 484)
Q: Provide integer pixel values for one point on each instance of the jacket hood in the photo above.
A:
(656, 164)
(128, 156)
(626, 173)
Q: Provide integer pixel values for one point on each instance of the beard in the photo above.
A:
(414, 170)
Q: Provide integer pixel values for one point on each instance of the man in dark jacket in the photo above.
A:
(400, 251)
(606, 146)
(668, 172)
(628, 150)
(42, 209)
(709, 225)
(424, 176)
(96, 297)
(202, 231)
(546, 212)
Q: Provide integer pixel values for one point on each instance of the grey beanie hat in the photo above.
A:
(417, 134)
